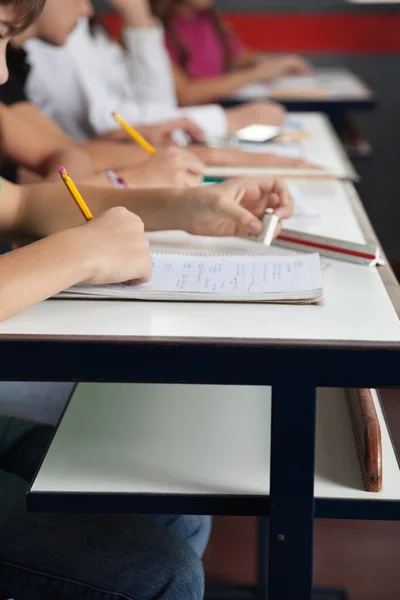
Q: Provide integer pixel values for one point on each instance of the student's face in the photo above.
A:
(59, 18)
(6, 19)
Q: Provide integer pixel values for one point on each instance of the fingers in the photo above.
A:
(275, 195)
(189, 161)
(246, 223)
(193, 130)
(262, 194)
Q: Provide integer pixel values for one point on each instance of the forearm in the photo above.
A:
(113, 155)
(38, 271)
(48, 208)
(75, 161)
(32, 141)
(137, 15)
(246, 59)
(204, 91)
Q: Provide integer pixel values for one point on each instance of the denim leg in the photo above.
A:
(194, 529)
(90, 557)
(96, 557)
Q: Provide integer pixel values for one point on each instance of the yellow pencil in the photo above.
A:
(73, 190)
(135, 135)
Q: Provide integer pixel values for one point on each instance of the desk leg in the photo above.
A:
(291, 533)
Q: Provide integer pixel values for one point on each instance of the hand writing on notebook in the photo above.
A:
(117, 247)
(170, 167)
(236, 207)
(280, 66)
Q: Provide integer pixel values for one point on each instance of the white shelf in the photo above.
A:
(134, 439)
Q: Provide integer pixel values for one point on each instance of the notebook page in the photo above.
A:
(176, 275)
(293, 150)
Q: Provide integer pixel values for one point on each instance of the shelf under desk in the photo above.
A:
(194, 449)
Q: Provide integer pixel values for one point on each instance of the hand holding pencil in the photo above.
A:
(115, 241)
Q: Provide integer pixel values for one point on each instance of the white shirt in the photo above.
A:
(82, 83)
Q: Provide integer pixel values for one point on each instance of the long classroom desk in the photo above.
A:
(322, 147)
(335, 91)
(352, 340)
(332, 89)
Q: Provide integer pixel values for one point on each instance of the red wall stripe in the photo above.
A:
(320, 32)
(308, 32)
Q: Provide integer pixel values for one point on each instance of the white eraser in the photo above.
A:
(270, 225)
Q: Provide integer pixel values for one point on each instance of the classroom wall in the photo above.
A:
(369, 38)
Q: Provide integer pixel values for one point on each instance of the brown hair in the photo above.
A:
(165, 9)
(26, 12)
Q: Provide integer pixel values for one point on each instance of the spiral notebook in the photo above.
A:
(181, 276)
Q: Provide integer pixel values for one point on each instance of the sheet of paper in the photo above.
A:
(302, 208)
(294, 150)
(336, 82)
(224, 275)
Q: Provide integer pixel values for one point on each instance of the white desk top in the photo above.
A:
(340, 83)
(336, 218)
(357, 306)
(322, 148)
(167, 439)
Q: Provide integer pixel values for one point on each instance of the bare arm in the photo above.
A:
(110, 249)
(47, 208)
(36, 272)
(33, 139)
(36, 148)
(191, 92)
(246, 58)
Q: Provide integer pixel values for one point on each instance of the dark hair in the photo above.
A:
(165, 9)
(26, 12)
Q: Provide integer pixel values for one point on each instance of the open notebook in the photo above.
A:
(220, 278)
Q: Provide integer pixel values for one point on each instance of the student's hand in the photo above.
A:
(236, 207)
(162, 134)
(117, 246)
(280, 66)
(170, 167)
(135, 13)
(260, 113)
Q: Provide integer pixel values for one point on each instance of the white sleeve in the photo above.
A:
(211, 118)
(148, 65)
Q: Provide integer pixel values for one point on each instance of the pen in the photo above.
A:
(135, 135)
(73, 190)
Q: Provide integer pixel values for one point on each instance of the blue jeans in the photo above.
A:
(91, 557)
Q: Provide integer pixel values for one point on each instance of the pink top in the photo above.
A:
(202, 42)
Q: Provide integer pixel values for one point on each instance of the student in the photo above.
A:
(70, 557)
(73, 85)
(93, 76)
(34, 143)
(210, 64)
